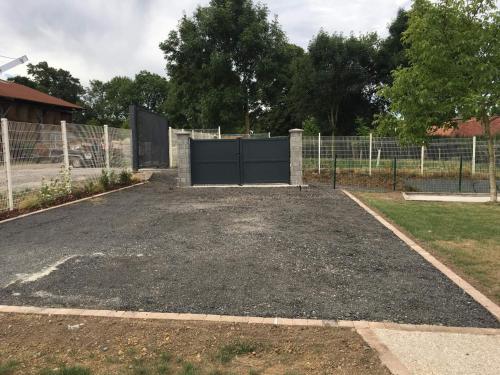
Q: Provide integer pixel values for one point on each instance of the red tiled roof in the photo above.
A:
(468, 128)
(16, 91)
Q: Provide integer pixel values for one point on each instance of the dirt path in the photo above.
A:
(114, 346)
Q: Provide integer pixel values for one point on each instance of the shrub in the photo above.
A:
(228, 352)
(56, 188)
(104, 180)
(125, 177)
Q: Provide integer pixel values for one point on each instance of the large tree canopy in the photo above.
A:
(56, 82)
(453, 73)
(333, 80)
(224, 64)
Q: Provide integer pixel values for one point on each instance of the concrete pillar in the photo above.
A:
(183, 159)
(296, 156)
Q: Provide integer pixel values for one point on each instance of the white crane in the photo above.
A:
(13, 63)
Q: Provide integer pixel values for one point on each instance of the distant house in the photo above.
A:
(468, 128)
(24, 104)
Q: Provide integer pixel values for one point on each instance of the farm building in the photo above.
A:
(24, 104)
(469, 128)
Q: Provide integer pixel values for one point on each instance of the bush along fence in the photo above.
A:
(382, 163)
(43, 163)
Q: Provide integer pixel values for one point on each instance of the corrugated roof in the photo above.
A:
(16, 91)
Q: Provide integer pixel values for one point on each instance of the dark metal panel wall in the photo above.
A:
(150, 138)
(265, 160)
(240, 161)
(215, 161)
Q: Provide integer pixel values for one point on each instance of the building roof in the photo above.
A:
(468, 128)
(16, 91)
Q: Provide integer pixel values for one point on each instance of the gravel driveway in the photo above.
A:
(254, 251)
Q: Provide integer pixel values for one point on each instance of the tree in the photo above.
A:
(453, 73)
(222, 64)
(56, 82)
(150, 91)
(391, 50)
(332, 82)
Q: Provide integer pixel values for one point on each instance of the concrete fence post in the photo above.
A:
(474, 155)
(370, 155)
(6, 160)
(422, 157)
(64, 136)
(106, 147)
(296, 156)
(183, 159)
(218, 132)
(319, 153)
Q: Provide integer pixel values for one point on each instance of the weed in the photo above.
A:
(55, 188)
(8, 368)
(104, 180)
(75, 370)
(228, 352)
(253, 372)
(189, 369)
(125, 177)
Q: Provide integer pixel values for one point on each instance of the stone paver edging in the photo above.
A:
(488, 304)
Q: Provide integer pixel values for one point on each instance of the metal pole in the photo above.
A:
(319, 153)
(335, 171)
(6, 158)
(460, 175)
(64, 137)
(370, 155)
(218, 132)
(378, 157)
(394, 175)
(474, 155)
(268, 134)
(106, 146)
(422, 155)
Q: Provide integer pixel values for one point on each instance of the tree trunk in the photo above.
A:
(491, 158)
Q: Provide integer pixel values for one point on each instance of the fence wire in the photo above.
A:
(441, 165)
(37, 156)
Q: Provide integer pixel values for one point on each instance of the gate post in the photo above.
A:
(183, 159)
(296, 156)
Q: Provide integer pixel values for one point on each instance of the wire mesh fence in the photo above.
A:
(440, 165)
(37, 157)
(252, 135)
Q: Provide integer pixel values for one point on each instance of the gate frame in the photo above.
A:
(184, 159)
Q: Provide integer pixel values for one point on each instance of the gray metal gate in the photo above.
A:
(240, 161)
(149, 139)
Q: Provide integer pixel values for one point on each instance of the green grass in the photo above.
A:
(8, 368)
(226, 353)
(465, 236)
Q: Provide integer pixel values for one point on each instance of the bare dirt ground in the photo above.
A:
(114, 346)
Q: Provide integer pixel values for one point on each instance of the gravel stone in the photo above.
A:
(310, 253)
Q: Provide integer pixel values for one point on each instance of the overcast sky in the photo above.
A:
(99, 39)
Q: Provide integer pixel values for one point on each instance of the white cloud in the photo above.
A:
(97, 39)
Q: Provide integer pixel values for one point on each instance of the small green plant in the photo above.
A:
(74, 370)
(189, 369)
(228, 352)
(8, 367)
(55, 188)
(104, 180)
(125, 177)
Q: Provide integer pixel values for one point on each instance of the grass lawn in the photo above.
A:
(465, 236)
(72, 345)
